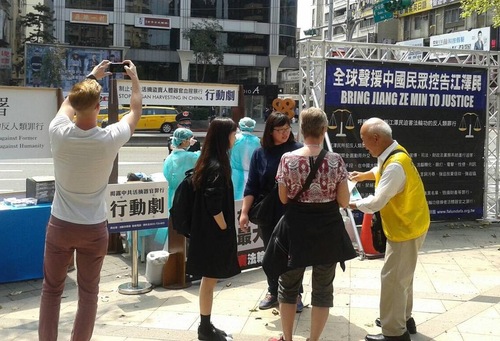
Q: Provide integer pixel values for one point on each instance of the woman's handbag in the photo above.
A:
(262, 211)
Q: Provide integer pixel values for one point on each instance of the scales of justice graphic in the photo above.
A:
(469, 122)
(349, 124)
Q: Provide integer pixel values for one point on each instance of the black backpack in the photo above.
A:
(181, 211)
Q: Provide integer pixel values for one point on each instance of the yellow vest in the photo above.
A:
(406, 215)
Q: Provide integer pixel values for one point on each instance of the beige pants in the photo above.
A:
(396, 296)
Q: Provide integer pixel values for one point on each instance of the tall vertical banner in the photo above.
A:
(250, 244)
(437, 113)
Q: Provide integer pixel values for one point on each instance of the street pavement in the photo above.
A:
(457, 297)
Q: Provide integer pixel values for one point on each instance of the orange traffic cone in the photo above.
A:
(366, 237)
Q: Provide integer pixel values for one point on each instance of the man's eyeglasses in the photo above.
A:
(282, 130)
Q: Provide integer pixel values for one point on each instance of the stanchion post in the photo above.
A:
(135, 287)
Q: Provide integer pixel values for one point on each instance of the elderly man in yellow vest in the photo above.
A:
(400, 198)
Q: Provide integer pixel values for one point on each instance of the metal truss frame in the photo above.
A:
(313, 55)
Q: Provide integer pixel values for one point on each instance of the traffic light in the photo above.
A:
(397, 5)
(310, 32)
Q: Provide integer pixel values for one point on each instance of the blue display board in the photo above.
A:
(437, 112)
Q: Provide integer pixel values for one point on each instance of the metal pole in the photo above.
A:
(348, 22)
(135, 287)
(330, 20)
(135, 263)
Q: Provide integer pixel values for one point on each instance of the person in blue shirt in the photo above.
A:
(277, 139)
(241, 154)
(174, 168)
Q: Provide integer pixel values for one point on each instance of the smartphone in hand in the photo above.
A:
(117, 67)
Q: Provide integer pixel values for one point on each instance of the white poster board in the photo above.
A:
(25, 115)
(136, 206)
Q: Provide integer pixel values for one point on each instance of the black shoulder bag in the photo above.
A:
(262, 211)
(275, 261)
(379, 239)
(312, 173)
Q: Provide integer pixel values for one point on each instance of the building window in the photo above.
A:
(366, 23)
(288, 12)
(96, 5)
(247, 43)
(152, 7)
(149, 38)
(256, 10)
(158, 71)
(287, 46)
(452, 17)
(243, 75)
(89, 35)
(417, 22)
(338, 30)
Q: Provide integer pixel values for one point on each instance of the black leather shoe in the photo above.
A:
(381, 337)
(410, 325)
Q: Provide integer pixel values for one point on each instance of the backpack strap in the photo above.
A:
(312, 173)
(395, 151)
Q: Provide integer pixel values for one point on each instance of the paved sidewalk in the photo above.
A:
(457, 297)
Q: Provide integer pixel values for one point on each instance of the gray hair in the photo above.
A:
(378, 126)
(313, 122)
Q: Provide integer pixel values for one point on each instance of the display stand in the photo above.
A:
(174, 271)
(361, 250)
(135, 287)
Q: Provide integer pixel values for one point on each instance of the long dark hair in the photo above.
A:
(276, 119)
(215, 151)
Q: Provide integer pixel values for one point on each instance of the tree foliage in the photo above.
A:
(52, 65)
(40, 27)
(40, 23)
(481, 6)
(205, 44)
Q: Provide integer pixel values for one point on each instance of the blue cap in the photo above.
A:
(180, 135)
(247, 124)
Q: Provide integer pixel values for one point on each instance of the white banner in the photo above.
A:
(25, 115)
(181, 93)
(412, 55)
(475, 39)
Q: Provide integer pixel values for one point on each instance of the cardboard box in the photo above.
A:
(41, 188)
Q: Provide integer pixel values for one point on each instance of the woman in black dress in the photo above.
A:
(212, 250)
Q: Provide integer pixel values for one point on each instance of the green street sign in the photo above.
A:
(380, 13)
(310, 32)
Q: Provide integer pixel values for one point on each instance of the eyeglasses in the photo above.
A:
(283, 130)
